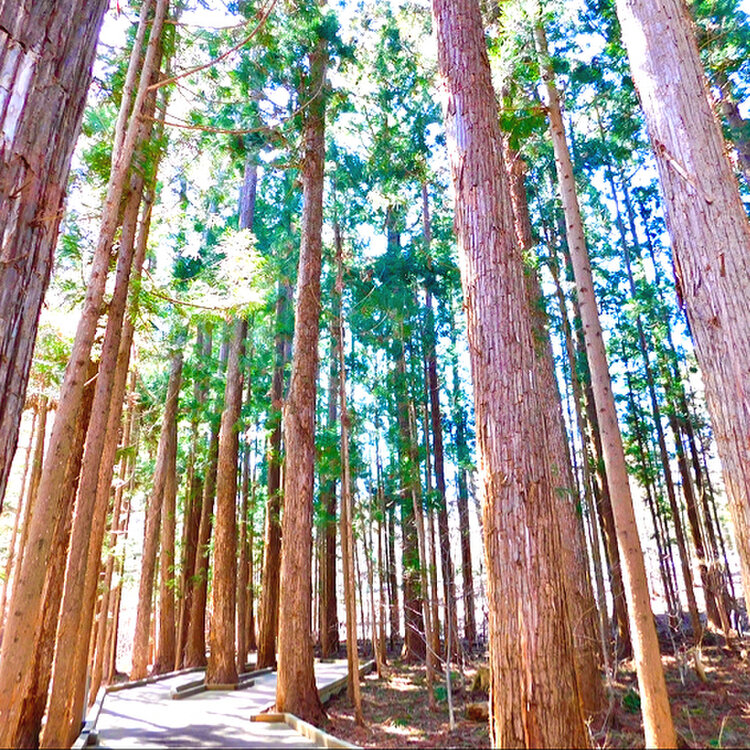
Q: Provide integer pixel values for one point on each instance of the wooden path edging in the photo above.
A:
(189, 689)
(318, 736)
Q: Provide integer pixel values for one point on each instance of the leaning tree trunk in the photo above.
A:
(46, 53)
(708, 226)
(222, 665)
(165, 463)
(533, 690)
(35, 699)
(295, 688)
(25, 610)
(657, 718)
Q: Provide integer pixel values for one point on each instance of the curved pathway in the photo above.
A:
(147, 716)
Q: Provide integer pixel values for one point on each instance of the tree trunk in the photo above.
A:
(347, 529)
(329, 625)
(582, 610)
(269, 595)
(46, 54)
(709, 229)
(295, 688)
(194, 505)
(657, 718)
(530, 643)
(222, 664)
(165, 460)
(462, 500)
(35, 699)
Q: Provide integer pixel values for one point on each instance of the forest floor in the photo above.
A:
(715, 713)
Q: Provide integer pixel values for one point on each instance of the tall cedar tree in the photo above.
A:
(295, 688)
(708, 226)
(533, 686)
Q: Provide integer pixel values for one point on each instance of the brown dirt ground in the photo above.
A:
(713, 714)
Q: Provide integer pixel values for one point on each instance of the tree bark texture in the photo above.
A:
(35, 698)
(657, 717)
(533, 692)
(295, 689)
(46, 53)
(708, 226)
(165, 463)
(582, 610)
(222, 664)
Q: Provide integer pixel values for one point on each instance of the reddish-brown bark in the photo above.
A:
(295, 688)
(533, 691)
(46, 53)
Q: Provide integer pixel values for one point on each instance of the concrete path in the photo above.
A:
(146, 716)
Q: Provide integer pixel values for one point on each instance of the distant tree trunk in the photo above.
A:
(165, 458)
(222, 664)
(328, 620)
(26, 603)
(462, 500)
(245, 623)
(269, 601)
(709, 229)
(414, 635)
(530, 640)
(47, 52)
(193, 504)
(449, 583)
(657, 718)
(347, 529)
(36, 473)
(295, 688)
(195, 646)
(104, 629)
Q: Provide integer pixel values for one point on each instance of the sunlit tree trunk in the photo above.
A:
(165, 460)
(709, 229)
(269, 596)
(222, 664)
(657, 717)
(295, 688)
(534, 697)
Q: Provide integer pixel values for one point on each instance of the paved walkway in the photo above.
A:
(146, 716)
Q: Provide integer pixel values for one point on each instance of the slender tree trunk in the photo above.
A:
(165, 458)
(33, 485)
(657, 718)
(26, 603)
(347, 526)
(269, 601)
(222, 664)
(46, 53)
(709, 229)
(295, 688)
(193, 510)
(104, 629)
(462, 500)
(19, 512)
(329, 625)
(35, 699)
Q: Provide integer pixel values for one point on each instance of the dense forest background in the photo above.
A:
(277, 378)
